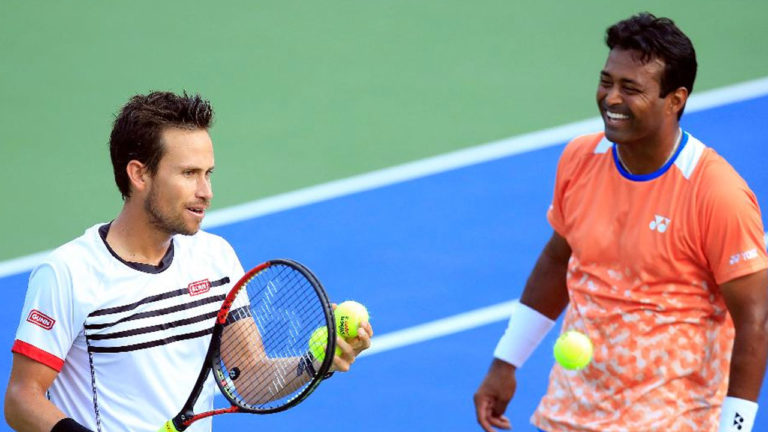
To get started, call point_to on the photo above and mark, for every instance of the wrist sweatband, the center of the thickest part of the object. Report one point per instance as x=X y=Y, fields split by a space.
x=737 y=415
x=525 y=331
x=69 y=425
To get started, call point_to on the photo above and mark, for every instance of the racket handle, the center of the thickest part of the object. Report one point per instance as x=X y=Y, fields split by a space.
x=168 y=427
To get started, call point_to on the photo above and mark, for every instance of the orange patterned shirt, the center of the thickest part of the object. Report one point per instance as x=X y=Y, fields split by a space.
x=649 y=253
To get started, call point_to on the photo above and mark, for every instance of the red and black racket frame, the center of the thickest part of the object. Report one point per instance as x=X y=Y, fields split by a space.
x=212 y=357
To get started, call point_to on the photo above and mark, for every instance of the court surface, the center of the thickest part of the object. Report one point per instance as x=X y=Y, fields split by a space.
x=436 y=258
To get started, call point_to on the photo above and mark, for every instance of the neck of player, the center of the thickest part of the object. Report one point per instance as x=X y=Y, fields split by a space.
x=646 y=157
x=134 y=238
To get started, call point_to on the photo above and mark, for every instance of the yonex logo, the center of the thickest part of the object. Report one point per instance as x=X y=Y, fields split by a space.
x=660 y=223
x=199 y=287
x=746 y=256
x=40 y=319
x=738 y=421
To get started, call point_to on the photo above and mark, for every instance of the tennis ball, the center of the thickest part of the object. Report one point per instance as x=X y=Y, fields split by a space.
x=573 y=350
x=349 y=315
x=168 y=427
x=318 y=341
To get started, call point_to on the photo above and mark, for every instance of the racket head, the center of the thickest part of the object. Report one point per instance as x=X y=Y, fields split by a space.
x=263 y=363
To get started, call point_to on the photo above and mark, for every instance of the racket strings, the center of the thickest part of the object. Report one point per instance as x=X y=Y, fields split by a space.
x=263 y=353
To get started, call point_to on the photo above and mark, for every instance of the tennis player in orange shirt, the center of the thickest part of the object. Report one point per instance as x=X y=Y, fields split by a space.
x=658 y=255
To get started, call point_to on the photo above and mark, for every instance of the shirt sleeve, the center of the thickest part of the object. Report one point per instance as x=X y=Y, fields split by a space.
x=46 y=331
x=237 y=273
x=732 y=228
x=237 y=267
x=556 y=215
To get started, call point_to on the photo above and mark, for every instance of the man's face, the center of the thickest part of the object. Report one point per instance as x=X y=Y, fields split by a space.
x=628 y=97
x=180 y=191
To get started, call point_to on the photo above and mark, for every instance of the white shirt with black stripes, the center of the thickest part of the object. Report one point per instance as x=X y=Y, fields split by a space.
x=127 y=339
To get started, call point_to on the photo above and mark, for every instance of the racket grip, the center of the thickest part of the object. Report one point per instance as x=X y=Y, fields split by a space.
x=168 y=427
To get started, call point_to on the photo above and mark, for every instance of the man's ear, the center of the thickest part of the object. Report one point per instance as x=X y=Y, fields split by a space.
x=676 y=100
x=138 y=175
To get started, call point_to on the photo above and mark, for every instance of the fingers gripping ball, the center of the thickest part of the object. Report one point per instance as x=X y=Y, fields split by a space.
x=317 y=343
x=573 y=350
x=349 y=315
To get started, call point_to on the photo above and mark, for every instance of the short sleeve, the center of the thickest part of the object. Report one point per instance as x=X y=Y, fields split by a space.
x=566 y=167
x=46 y=330
x=237 y=266
x=732 y=229
x=237 y=272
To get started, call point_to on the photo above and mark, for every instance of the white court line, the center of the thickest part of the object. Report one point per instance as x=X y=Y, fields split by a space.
x=441 y=327
x=22 y=264
x=429 y=166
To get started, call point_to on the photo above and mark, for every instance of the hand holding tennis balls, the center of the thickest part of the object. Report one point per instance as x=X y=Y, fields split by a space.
x=348 y=316
x=573 y=350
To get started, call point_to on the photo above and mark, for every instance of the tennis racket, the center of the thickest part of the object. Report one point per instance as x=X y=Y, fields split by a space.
x=260 y=352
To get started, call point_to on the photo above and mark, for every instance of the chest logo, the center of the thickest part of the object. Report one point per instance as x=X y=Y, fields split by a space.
x=659 y=223
x=40 y=319
x=199 y=287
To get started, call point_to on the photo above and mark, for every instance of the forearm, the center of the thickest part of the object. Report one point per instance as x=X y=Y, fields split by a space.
x=543 y=300
x=262 y=379
x=747 y=301
x=748 y=360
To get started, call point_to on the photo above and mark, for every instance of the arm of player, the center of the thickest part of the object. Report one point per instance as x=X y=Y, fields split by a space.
x=546 y=292
x=242 y=350
x=26 y=407
x=243 y=346
x=747 y=301
x=546 y=289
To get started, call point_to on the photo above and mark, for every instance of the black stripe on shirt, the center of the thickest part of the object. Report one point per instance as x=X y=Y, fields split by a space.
x=154 y=328
x=150 y=344
x=159 y=312
x=150 y=299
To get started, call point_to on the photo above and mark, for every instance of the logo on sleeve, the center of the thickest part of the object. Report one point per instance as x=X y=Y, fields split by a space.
x=743 y=256
x=40 y=319
x=199 y=287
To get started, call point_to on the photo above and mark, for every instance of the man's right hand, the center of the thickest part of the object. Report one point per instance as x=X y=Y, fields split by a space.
x=494 y=394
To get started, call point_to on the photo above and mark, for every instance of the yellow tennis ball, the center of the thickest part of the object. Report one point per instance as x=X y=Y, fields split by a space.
x=573 y=350
x=168 y=427
x=349 y=315
x=318 y=341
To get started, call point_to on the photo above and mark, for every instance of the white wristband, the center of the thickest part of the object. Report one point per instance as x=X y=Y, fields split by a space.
x=738 y=415
x=527 y=328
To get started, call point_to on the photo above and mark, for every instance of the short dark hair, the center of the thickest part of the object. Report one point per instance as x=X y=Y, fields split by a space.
x=658 y=38
x=137 y=128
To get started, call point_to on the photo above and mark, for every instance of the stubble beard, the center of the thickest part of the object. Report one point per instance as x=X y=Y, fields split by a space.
x=170 y=224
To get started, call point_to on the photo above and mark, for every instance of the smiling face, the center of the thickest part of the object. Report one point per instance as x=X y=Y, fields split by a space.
x=180 y=191
x=628 y=98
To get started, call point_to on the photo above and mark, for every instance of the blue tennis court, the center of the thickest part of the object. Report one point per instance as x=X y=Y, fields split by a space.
x=427 y=249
